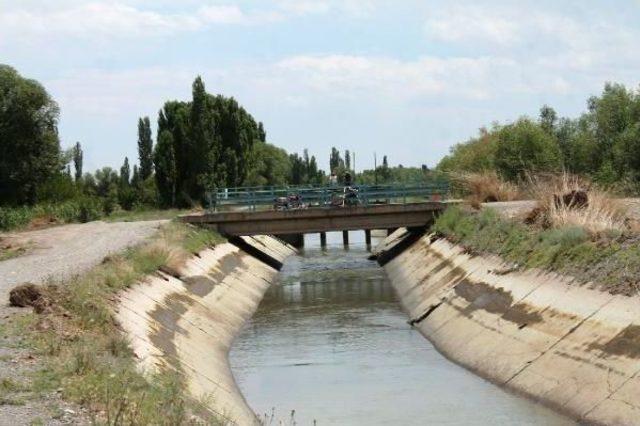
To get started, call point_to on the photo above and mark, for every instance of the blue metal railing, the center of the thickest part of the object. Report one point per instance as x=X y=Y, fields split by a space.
x=320 y=196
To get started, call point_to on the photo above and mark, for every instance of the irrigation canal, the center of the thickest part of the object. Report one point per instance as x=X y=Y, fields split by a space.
x=331 y=343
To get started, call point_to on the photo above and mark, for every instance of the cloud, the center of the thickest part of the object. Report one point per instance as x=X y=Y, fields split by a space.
x=472 y=23
x=124 y=19
x=130 y=18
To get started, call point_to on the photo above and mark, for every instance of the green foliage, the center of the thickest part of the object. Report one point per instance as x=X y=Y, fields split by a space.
x=525 y=147
x=398 y=174
x=88 y=210
x=304 y=170
x=335 y=161
x=13 y=218
x=475 y=156
x=165 y=164
x=145 y=148
x=270 y=165
x=77 y=161
x=603 y=143
x=213 y=139
x=29 y=145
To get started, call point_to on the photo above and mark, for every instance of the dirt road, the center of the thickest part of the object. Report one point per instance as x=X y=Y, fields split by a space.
x=63 y=251
x=57 y=252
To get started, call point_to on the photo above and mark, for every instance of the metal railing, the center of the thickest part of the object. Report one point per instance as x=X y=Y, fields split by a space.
x=322 y=196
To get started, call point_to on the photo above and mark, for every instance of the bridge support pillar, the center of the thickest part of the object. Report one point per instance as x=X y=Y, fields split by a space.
x=323 y=239
x=296 y=240
x=345 y=238
x=367 y=237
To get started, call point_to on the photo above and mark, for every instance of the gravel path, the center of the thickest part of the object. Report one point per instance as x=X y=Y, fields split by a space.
x=59 y=253
x=67 y=250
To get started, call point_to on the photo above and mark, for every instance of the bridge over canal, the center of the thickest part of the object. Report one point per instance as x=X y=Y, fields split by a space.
x=250 y=211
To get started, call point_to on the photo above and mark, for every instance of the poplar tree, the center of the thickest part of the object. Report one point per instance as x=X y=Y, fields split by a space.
x=165 y=166
x=77 y=161
x=125 y=173
x=145 y=148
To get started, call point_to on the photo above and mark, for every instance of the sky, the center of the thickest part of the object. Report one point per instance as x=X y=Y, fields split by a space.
x=404 y=78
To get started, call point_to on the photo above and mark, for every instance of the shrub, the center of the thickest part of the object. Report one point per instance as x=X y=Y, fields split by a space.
x=600 y=214
x=12 y=218
x=485 y=187
x=89 y=210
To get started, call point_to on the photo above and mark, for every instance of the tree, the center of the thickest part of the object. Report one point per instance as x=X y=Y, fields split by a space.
x=271 y=166
x=475 y=155
x=165 y=166
x=125 y=173
x=29 y=144
x=77 y=161
x=524 y=147
x=145 y=147
x=262 y=135
x=347 y=159
x=106 y=181
x=335 y=161
x=385 y=173
x=135 y=177
x=548 y=119
x=213 y=139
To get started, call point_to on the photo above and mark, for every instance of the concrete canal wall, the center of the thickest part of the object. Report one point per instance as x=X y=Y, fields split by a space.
x=188 y=320
x=574 y=349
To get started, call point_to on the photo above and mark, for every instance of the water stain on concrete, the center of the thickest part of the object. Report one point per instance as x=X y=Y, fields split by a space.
x=625 y=343
x=226 y=264
x=167 y=317
x=200 y=285
x=496 y=301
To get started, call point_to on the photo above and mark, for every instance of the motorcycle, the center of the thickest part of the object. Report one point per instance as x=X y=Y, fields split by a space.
x=290 y=202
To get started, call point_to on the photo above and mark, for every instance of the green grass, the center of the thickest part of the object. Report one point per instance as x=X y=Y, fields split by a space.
x=81 y=210
x=610 y=261
x=84 y=354
x=140 y=215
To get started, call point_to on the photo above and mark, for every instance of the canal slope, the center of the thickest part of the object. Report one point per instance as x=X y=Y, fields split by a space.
x=186 y=320
x=574 y=349
x=329 y=342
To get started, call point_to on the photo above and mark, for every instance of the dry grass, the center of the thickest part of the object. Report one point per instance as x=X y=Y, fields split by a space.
x=486 y=187
x=601 y=214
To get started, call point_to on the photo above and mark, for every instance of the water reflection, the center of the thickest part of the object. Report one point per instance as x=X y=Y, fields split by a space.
x=331 y=343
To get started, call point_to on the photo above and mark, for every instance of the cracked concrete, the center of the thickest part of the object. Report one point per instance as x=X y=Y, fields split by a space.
x=579 y=356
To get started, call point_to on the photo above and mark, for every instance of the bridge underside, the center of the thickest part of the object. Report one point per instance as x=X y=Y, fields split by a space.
x=312 y=220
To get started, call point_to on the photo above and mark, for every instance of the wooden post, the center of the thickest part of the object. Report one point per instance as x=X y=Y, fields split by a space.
x=345 y=238
x=367 y=237
x=323 y=239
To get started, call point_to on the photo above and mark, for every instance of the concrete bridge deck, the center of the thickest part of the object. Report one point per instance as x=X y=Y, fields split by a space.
x=319 y=219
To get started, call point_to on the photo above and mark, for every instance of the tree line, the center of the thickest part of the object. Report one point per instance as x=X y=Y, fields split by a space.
x=603 y=143
x=208 y=142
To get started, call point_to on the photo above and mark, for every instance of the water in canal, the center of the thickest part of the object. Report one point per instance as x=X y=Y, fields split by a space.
x=330 y=341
